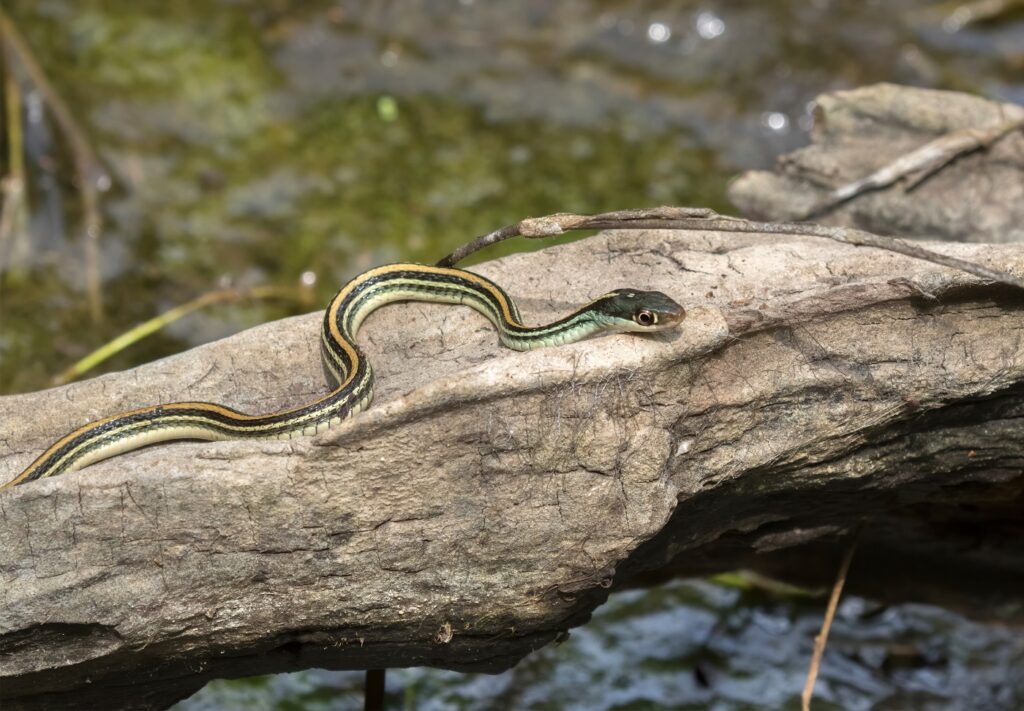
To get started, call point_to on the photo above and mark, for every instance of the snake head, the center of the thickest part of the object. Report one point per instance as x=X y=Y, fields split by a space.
x=640 y=311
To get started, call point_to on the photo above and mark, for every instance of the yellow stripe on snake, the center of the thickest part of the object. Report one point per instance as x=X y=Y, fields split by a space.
x=619 y=310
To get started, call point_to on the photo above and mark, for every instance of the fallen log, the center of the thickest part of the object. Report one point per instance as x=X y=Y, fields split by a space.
x=488 y=500
x=898 y=160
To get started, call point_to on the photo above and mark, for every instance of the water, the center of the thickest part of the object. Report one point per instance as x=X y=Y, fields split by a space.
x=256 y=142
x=252 y=142
x=698 y=645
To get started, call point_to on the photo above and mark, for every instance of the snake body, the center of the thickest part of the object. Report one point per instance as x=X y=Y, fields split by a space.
x=346 y=366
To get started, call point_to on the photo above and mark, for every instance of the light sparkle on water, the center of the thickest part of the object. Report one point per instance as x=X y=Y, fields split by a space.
x=775 y=120
x=658 y=32
x=709 y=25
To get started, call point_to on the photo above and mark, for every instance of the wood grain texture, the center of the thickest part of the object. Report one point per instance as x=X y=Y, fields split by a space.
x=489 y=500
x=979 y=197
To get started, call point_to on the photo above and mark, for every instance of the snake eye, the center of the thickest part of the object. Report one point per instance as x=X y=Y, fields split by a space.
x=645 y=317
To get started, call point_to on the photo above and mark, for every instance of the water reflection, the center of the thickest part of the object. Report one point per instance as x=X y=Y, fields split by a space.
x=709 y=25
x=658 y=32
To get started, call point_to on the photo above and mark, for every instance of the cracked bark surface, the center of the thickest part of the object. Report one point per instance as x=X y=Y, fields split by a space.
x=979 y=197
x=489 y=500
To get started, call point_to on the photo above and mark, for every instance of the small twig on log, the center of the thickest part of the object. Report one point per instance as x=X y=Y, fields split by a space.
x=92 y=176
x=687 y=218
x=917 y=165
x=826 y=624
x=561 y=222
x=302 y=294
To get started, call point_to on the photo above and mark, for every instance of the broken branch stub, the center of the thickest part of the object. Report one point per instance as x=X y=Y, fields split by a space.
x=488 y=499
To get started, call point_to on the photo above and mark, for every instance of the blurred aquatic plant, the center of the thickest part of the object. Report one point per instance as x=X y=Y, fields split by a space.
x=91 y=177
x=301 y=294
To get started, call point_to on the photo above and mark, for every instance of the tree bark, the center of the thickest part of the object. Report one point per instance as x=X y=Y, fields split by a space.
x=488 y=499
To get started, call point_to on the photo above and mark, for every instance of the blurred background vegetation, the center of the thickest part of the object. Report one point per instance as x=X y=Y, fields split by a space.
x=265 y=143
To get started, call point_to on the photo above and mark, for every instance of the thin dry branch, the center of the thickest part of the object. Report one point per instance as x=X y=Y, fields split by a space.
x=12 y=212
x=826 y=623
x=92 y=177
x=562 y=222
x=689 y=218
x=917 y=165
x=12 y=191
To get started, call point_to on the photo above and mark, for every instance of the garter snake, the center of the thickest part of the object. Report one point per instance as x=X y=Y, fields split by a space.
x=346 y=366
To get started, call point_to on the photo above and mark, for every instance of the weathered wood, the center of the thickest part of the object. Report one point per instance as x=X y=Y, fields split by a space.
x=488 y=499
x=979 y=197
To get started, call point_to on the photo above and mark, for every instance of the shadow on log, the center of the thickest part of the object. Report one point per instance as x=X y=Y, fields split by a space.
x=489 y=500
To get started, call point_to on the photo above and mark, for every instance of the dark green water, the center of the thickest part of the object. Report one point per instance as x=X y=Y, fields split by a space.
x=262 y=142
